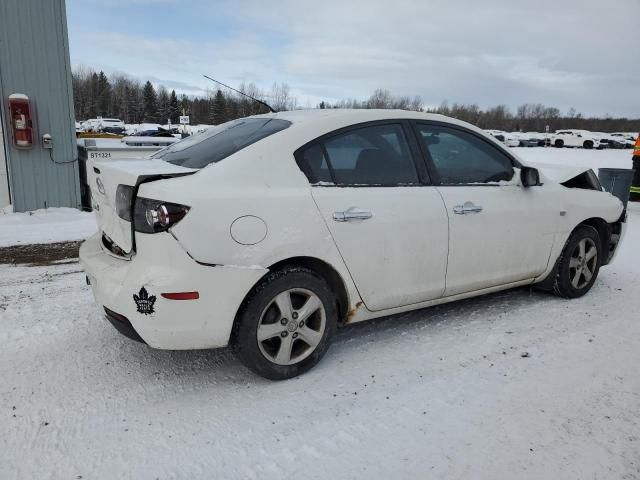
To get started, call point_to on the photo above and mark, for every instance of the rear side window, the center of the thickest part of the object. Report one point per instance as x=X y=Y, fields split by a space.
x=376 y=155
x=314 y=164
x=218 y=143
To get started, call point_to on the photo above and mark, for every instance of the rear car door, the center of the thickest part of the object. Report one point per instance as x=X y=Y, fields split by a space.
x=388 y=223
x=499 y=231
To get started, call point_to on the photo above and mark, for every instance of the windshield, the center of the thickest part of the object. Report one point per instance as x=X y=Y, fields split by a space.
x=218 y=143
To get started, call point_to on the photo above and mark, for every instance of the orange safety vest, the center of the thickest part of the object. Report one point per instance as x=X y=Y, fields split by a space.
x=635 y=186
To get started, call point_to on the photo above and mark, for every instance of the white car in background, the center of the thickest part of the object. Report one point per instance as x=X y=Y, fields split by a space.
x=268 y=232
x=574 y=138
x=111 y=125
x=509 y=139
x=626 y=139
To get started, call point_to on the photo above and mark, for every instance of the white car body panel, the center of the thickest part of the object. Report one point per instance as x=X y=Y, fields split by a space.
x=485 y=248
x=256 y=208
x=404 y=219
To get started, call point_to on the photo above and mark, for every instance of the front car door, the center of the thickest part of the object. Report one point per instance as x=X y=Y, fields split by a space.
x=499 y=231
x=389 y=225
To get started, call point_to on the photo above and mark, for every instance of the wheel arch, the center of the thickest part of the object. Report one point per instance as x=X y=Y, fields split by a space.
x=321 y=268
x=327 y=272
x=604 y=231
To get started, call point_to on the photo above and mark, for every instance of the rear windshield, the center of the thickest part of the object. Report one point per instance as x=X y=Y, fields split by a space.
x=219 y=142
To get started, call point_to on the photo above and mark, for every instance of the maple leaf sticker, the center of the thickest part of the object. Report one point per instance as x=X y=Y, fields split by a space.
x=144 y=302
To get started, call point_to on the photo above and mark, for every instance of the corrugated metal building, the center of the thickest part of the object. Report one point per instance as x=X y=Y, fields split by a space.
x=34 y=61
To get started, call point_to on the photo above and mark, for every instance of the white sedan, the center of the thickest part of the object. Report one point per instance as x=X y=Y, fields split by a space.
x=268 y=232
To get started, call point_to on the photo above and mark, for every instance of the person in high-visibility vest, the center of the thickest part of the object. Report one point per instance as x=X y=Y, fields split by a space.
x=634 y=191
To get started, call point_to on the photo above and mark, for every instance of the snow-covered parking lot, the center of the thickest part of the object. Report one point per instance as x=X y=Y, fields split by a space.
x=513 y=385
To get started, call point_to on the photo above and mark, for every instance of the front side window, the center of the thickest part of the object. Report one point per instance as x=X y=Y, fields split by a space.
x=375 y=155
x=218 y=143
x=462 y=158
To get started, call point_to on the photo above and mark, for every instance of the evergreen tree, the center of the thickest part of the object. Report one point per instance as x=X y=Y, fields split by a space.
x=150 y=103
x=133 y=104
x=218 y=112
x=185 y=105
x=163 y=105
x=174 y=109
x=103 y=95
x=92 y=110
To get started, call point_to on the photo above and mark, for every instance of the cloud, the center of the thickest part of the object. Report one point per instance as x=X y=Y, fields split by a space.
x=572 y=53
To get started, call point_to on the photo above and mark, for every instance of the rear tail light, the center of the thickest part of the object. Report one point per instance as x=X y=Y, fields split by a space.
x=124 y=197
x=153 y=216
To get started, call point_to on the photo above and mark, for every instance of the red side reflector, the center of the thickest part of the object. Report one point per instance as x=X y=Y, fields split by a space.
x=181 y=296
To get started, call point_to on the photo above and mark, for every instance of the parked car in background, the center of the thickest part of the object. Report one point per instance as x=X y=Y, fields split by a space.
x=111 y=125
x=626 y=139
x=609 y=140
x=525 y=140
x=91 y=125
x=574 y=138
x=542 y=138
x=268 y=232
x=507 y=138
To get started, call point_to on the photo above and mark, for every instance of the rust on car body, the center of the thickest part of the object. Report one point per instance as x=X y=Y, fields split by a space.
x=351 y=313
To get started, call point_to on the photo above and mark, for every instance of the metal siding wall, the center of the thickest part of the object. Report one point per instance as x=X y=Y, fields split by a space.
x=34 y=60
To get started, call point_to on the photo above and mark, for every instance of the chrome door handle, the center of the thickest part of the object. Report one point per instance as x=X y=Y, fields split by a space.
x=351 y=214
x=468 y=207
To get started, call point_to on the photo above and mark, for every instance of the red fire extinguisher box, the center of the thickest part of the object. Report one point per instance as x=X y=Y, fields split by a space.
x=21 y=119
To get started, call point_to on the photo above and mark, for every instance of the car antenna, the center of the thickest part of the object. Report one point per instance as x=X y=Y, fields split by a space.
x=242 y=93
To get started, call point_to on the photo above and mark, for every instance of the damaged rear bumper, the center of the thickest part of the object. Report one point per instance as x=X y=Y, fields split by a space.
x=133 y=289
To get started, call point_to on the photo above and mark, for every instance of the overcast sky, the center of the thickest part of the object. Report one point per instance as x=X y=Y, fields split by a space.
x=583 y=54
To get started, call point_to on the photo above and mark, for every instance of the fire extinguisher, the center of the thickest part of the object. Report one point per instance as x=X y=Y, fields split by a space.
x=21 y=120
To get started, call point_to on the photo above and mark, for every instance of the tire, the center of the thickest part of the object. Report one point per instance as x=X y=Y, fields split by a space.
x=572 y=278
x=284 y=324
x=588 y=145
x=558 y=143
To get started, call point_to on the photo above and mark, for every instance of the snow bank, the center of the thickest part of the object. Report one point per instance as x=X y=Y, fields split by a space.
x=46 y=226
x=578 y=157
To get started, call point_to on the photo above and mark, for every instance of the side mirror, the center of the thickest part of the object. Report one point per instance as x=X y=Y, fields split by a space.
x=530 y=177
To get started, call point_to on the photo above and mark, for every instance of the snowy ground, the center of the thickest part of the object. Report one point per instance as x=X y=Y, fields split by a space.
x=46 y=226
x=439 y=393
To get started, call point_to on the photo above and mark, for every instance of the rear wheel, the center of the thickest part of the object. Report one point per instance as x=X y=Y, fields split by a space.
x=286 y=324
x=559 y=143
x=579 y=264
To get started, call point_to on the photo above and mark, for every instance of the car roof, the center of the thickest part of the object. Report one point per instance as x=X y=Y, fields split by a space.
x=313 y=123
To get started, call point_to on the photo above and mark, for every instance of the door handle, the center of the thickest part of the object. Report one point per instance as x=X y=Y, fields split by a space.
x=468 y=207
x=351 y=214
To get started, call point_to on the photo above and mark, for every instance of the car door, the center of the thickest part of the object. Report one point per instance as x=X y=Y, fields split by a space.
x=499 y=231
x=389 y=225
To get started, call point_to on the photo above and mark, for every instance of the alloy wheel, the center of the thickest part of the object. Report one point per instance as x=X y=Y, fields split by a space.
x=583 y=263
x=291 y=326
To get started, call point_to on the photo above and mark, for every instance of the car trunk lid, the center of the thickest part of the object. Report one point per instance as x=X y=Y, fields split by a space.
x=104 y=178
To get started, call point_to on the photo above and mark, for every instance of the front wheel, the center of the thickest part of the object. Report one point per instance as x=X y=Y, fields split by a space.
x=588 y=144
x=579 y=263
x=286 y=324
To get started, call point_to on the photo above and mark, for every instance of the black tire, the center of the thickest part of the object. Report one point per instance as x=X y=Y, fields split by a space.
x=563 y=285
x=558 y=143
x=260 y=303
x=588 y=144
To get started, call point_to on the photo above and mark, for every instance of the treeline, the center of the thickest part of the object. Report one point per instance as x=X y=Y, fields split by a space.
x=530 y=117
x=119 y=96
